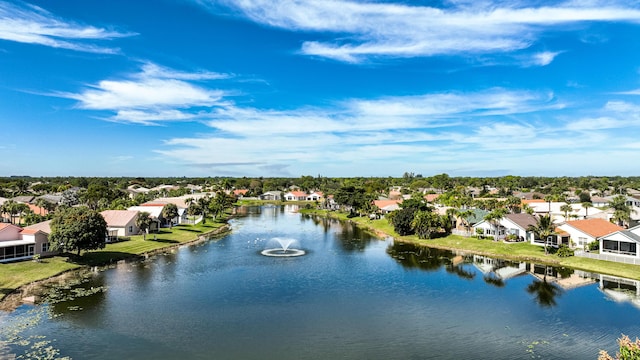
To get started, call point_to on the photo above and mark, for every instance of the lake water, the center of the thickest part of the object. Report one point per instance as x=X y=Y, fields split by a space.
x=351 y=296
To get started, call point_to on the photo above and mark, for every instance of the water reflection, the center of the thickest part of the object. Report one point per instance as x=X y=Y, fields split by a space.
x=548 y=283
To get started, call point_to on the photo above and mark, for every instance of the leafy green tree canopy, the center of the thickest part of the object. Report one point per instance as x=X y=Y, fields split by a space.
x=77 y=228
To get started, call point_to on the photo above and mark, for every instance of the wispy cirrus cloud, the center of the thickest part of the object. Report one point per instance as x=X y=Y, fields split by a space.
x=30 y=24
x=429 y=126
x=153 y=95
x=396 y=29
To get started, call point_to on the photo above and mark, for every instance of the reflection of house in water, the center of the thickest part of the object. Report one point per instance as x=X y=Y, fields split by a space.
x=499 y=268
x=619 y=289
x=563 y=277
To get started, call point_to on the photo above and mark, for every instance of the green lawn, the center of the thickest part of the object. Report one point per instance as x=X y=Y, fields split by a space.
x=14 y=275
x=487 y=247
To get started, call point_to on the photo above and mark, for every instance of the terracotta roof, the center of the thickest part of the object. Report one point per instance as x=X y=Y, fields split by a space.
x=299 y=193
x=37 y=209
x=595 y=227
x=118 y=218
x=240 y=191
x=44 y=226
x=525 y=201
x=6 y=225
x=383 y=203
x=431 y=197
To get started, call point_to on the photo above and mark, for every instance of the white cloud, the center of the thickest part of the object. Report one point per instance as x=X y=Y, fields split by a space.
x=33 y=25
x=544 y=58
x=369 y=29
x=151 y=96
x=430 y=126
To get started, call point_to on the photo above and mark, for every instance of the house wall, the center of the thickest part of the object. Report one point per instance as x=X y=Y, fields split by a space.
x=10 y=233
x=40 y=239
x=577 y=238
x=622 y=239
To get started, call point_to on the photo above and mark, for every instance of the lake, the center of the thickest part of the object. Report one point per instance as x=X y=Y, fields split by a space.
x=351 y=296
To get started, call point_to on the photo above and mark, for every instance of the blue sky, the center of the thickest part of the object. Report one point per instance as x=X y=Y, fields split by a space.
x=331 y=87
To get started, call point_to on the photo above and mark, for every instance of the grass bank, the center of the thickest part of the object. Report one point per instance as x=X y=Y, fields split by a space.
x=17 y=274
x=511 y=251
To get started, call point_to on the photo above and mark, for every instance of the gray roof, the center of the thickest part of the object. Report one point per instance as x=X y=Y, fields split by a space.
x=24 y=199
x=523 y=220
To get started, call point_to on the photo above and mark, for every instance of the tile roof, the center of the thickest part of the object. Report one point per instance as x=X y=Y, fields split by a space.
x=594 y=227
x=384 y=203
x=44 y=226
x=118 y=218
x=523 y=219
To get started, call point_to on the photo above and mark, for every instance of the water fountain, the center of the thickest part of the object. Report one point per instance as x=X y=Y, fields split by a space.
x=284 y=250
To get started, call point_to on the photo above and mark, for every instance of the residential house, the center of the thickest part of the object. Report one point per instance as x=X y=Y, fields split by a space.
x=464 y=224
x=315 y=196
x=430 y=198
x=553 y=208
x=583 y=232
x=511 y=224
x=155 y=213
x=622 y=242
x=17 y=243
x=39 y=234
x=295 y=196
x=272 y=196
x=598 y=201
x=387 y=206
x=120 y=223
x=240 y=193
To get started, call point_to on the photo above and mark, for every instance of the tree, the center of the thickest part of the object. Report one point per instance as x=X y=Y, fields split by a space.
x=586 y=205
x=494 y=218
x=203 y=205
x=621 y=211
x=401 y=221
x=427 y=223
x=10 y=207
x=170 y=212
x=77 y=228
x=543 y=229
x=567 y=209
x=143 y=222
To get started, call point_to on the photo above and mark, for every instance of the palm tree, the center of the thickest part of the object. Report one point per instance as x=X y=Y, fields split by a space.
x=170 y=212
x=494 y=218
x=586 y=205
x=543 y=229
x=143 y=222
x=203 y=204
x=464 y=216
x=621 y=211
x=566 y=208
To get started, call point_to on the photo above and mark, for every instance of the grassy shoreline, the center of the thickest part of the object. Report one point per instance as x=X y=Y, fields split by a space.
x=509 y=251
x=16 y=275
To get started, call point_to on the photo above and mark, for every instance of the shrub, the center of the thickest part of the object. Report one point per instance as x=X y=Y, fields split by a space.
x=594 y=245
x=628 y=350
x=564 y=251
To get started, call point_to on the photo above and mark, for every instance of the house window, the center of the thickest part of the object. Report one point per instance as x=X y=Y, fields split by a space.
x=45 y=247
x=130 y=229
x=582 y=241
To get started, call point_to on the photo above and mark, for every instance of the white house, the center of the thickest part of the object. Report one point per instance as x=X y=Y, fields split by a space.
x=622 y=242
x=583 y=232
x=295 y=196
x=514 y=224
x=272 y=195
x=315 y=196
x=120 y=223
